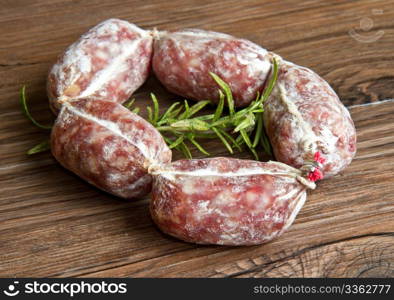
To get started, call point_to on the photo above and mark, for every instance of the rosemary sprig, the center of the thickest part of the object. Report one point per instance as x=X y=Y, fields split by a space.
x=227 y=90
x=25 y=110
x=180 y=126
x=128 y=104
x=43 y=146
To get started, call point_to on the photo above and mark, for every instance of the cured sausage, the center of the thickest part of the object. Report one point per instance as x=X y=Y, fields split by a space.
x=183 y=59
x=108 y=62
x=306 y=122
x=226 y=201
x=108 y=146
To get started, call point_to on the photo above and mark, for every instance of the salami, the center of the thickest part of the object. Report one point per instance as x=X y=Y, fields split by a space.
x=307 y=124
x=108 y=146
x=183 y=59
x=226 y=201
x=109 y=62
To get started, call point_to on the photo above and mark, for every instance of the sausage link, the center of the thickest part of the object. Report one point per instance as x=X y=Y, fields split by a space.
x=304 y=117
x=226 y=201
x=109 y=62
x=108 y=146
x=183 y=59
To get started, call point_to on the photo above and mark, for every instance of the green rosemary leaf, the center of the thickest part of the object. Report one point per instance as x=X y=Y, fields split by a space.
x=224 y=121
x=219 y=109
x=240 y=140
x=247 y=141
x=191 y=125
x=136 y=110
x=242 y=125
x=246 y=138
x=257 y=110
x=197 y=107
x=227 y=91
x=167 y=140
x=224 y=141
x=185 y=114
x=233 y=141
x=266 y=144
x=150 y=114
x=41 y=147
x=174 y=114
x=177 y=142
x=243 y=114
x=256 y=156
x=23 y=102
x=205 y=117
x=271 y=84
x=196 y=144
x=246 y=123
x=257 y=96
x=129 y=103
x=259 y=131
x=155 y=109
x=164 y=117
x=185 y=150
x=165 y=128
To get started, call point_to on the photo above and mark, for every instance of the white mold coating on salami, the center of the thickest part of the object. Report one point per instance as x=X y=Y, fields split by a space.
x=303 y=116
x=109 y=62
x=183 y=59
x=108 y=146
x=226 y=201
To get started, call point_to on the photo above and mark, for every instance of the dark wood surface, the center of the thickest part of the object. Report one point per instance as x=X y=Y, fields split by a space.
x=54 y=224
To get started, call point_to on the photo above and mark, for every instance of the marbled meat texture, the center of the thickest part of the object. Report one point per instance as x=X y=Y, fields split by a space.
x=109 y=62
x=226 y=201
x=108 y=146
x=183 y=59
x=304 y=115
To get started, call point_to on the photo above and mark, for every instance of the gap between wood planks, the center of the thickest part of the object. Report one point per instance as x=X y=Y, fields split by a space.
x=371 y=103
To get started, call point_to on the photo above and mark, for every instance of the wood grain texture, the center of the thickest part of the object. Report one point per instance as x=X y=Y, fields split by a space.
x=54 y=224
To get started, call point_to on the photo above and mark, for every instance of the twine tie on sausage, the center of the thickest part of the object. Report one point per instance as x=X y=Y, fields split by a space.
x=62 y=99
x=313 y=169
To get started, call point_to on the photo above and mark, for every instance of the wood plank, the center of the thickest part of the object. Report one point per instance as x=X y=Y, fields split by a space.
x=54 y=224
x=366 y=256
x=360 y=256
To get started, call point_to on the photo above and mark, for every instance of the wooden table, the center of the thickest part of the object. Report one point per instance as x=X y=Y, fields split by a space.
x=54 y=224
